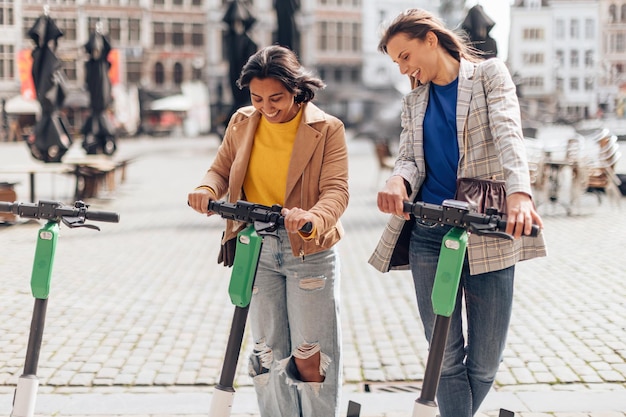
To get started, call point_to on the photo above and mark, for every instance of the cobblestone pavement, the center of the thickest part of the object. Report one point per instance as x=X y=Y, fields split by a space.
x=138 y=314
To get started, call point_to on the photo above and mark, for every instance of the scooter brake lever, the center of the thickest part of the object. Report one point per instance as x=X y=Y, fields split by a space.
x=489 y=230
x=73 y=222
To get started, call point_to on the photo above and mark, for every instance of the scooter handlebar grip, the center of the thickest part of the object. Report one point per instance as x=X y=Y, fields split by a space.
x=307 y=228
x=6 y=207
x=102 y=216
x=534 y=232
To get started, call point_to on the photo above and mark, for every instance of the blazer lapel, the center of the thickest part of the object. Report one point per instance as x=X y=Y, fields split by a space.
x=306 y=141
x=245 y=131
x=466 y=81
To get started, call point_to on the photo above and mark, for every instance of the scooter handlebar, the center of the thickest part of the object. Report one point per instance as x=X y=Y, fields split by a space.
x=460 y=214
x=54 y=210
x=247 y=212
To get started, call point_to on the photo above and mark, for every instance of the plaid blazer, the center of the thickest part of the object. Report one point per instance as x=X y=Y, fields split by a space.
x=487 y=107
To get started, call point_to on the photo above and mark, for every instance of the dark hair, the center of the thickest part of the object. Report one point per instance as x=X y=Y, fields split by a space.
x=281 y=64
x=416 y=23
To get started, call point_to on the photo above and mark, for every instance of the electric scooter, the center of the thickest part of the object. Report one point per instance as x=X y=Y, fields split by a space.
x=263 y=221
x=55 y=213
x=447 y=277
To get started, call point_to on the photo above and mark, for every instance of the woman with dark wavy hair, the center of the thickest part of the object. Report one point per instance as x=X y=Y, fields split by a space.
x=462 y=119
x=285 y=150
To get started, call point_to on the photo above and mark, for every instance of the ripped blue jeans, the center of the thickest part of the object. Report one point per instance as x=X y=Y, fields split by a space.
x=294 y=313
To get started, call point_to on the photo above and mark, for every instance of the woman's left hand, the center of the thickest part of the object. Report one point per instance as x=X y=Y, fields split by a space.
x=521 y=215
x=296 y=218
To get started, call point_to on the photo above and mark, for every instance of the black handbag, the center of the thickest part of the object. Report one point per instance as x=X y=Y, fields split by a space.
x=227 y=252
x=481 y=194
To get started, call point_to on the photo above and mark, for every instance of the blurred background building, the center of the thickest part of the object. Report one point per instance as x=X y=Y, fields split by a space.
x=568 y=57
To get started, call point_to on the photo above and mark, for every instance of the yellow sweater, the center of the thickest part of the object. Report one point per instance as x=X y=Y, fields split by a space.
x=266 y=178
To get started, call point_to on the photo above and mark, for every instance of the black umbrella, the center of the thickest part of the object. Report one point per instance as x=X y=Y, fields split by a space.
x=287 y=34
x=51 y=139
x=240 y=48
x=478 y=25
x=98 y=131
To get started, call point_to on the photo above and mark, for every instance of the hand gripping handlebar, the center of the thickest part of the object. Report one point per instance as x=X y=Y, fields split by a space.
x=244 y=211
x=72 y=216
x=459 y=214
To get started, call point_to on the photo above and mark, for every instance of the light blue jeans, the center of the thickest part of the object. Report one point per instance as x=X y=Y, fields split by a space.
x=469 y=366
x=294 y=312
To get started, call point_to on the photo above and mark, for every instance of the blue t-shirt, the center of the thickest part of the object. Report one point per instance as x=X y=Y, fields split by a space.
x=441 y=149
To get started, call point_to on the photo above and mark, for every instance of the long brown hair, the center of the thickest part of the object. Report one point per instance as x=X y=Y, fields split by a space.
x=416 y=23
x=281 y=64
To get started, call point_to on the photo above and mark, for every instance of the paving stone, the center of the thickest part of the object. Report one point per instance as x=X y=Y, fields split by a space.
x=139 y=304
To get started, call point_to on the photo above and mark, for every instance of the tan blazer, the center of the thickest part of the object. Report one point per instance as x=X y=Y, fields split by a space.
x=317 y=179
x=488 y=103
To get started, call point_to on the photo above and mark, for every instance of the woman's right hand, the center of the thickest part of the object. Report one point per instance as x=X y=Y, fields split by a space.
x=392 y=197
x=199 y=199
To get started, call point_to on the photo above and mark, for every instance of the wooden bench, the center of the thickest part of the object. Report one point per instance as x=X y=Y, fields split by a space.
x=97 y=173
x=33 y=169
x=93 y=173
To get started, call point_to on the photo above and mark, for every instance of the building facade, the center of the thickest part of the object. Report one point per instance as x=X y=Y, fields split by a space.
x=557 y=55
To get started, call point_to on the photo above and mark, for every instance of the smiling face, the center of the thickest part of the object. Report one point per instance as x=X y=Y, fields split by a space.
x=415 y=57
x=273 y=100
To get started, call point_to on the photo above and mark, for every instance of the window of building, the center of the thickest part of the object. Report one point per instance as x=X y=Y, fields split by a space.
x=355 y=75
x=158 y=29
x=533 y=33
x=590 y=29
x=28 y=23
x=159 y=74
x=617 y=41
x=560 y=29
x=197 y=34
x=589 y=83
x=177 y=3
x=115 y=30
x=91 y=24
x=559 y=84
x=178 y=34
x=68 y=27
x=533 y=58
x=533 y=82
x=574 y=29
x=560 y=57
x=7 y=17
x=7 y=62
x=134 y=30
x=133 y=72
x=589 y=59
x=69 y=68
x=323 y=36
x=573 y=58
x=339 y=35
x=178 y=73
x=613 y=13
x=623 y=14
x=158 y=3
x=573 y=84
x=356 y=37
x=338 y=75
x=196 y=2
